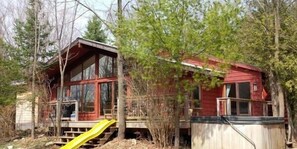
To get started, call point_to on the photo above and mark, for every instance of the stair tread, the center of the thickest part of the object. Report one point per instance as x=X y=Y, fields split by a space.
x=74 y=131
x=103 y=139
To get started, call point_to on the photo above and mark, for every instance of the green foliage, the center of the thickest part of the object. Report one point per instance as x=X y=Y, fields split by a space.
x=162 y=34
x=258 y=46
x=95 y=31
x=177 y=30
x=9 y=72
x=25 y=37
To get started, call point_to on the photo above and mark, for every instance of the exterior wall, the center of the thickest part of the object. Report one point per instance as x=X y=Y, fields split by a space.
x=237 y=74
x=209 y=102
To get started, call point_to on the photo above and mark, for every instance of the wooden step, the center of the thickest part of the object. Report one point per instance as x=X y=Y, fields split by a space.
x=113 y=128
x=103 y=140
x=107 y=134
x=80 y=132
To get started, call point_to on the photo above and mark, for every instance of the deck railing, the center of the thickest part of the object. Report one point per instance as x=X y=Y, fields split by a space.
x=238 y=106
x=137 y=107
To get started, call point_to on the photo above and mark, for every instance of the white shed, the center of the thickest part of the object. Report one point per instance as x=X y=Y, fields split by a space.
x=23 y=111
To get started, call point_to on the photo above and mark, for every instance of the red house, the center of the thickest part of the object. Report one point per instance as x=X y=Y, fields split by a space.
x=91 y=87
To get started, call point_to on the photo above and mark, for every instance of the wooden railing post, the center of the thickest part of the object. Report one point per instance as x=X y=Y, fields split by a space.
x=76 y=110
x=218 y=107
x=228 y=106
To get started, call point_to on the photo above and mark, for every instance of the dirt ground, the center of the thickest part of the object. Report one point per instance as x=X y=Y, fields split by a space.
x=41 y=142
x=45 y=142
x=128 y=144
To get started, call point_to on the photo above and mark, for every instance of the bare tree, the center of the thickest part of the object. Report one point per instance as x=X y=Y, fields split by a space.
x=36 y=48
x=120 y=61
x=63 y=60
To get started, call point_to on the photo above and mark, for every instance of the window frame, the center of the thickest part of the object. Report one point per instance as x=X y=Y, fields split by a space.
x=237 y=92
x=193 y=99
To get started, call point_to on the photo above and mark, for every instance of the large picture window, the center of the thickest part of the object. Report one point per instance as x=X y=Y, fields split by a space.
x=75 y=92
x=107 y=66
x=76 y=74
x=85 y=95
x=89 y=69
x=88 y=98
x=105 y=96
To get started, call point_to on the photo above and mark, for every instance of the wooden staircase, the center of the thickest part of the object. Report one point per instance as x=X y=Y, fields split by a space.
x=73 y=132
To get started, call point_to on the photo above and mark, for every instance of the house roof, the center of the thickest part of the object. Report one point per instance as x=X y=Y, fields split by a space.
x=80 y=47
x=240 y=65
x=91 y=43
x=77 y=49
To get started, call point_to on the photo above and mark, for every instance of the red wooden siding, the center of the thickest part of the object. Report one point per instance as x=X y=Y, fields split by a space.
x=208 y=101
x=237 y=74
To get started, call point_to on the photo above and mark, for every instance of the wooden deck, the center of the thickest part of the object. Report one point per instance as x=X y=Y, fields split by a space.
x=129 y=124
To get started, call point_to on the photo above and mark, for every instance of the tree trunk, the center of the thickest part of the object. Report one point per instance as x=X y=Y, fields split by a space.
x=59 y=106
x=273 y=92
x=277 y=93
x=33 y=116
x=176 y=123
x=290 y=122
x=121 y=98
x=280 y=99
x=36 y=46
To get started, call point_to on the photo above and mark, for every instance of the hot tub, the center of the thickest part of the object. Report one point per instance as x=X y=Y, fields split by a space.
x=237 y=132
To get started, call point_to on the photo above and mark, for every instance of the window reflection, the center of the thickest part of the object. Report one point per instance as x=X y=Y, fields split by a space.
x=89 y=69
x=107 y=66
x=76 y=74
x=105 y=96
x=75 y=92
x=88 y=98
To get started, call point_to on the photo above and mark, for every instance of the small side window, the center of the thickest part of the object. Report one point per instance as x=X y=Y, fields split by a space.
x=196 y=97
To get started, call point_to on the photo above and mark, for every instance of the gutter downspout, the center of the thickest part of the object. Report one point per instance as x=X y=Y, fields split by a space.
x=239 y=132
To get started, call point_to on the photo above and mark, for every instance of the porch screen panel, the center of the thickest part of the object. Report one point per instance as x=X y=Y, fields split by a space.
x=107 y=66
x=88 y=98
x=89 y=69
x=105 y=96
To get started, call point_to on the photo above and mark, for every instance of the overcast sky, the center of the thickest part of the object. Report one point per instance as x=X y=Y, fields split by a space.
x=15 y=9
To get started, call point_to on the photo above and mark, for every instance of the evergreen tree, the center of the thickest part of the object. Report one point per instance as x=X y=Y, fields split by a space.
x=95 y=31
x=25 y=35
x=32 y=40
x=9 y=72
x=268 y=40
